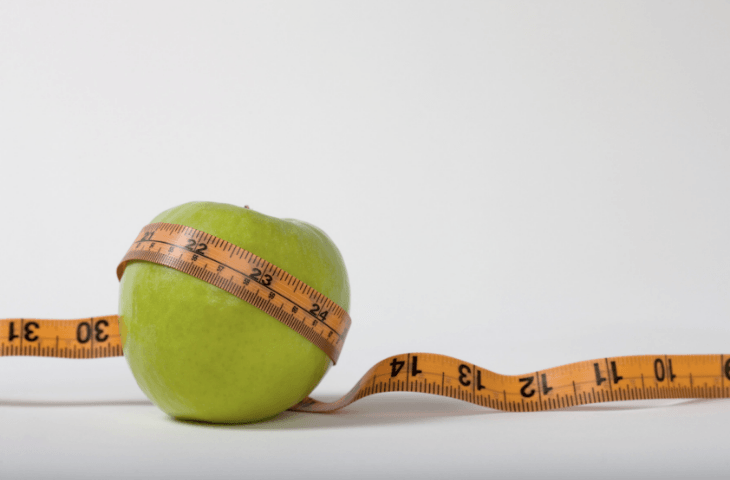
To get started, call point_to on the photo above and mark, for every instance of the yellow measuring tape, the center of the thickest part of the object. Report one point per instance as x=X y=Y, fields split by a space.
x=325 y=324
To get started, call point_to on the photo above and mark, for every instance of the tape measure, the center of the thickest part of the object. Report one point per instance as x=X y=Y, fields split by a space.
x=325 y=324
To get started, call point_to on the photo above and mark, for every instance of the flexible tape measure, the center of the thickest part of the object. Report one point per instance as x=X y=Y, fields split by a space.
x=326 y=324
x=247 y=276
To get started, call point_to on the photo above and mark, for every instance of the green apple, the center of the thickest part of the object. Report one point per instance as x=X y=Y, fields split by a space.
x=200 y=353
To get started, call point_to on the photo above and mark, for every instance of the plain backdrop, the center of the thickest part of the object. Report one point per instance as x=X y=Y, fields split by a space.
x=517 y=184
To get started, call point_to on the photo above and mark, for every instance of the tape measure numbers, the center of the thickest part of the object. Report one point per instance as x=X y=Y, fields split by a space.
x=326 y=324
x=248 y=277
x=96 y=337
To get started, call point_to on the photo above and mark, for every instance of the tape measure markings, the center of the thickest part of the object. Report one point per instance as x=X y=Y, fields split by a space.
x=438 y=374
x=81 y=337
x=541 y=390
x=259 y=282
x=243 y=255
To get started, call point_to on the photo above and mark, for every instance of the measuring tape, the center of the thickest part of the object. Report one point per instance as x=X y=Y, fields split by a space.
x=325 y=324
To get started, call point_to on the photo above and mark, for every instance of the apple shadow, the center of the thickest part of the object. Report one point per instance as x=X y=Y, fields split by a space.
x=384 y=409
x=404 y=408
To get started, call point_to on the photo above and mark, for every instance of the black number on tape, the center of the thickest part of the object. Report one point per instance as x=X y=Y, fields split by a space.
x=100 y=335
x=396 y=365
x=83 y=331
x=464 y=371
x=11 y=332
x=599 y=379
x=316 y=311
x=528 y=381
x=414 y=367
x=29 y=333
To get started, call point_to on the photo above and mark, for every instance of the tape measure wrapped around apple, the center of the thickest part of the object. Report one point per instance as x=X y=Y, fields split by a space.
x=232 y=316
x=200 y=353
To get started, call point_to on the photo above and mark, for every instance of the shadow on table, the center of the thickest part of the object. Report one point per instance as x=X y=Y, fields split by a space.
x=395 y=409
x=385 y=409
x=636 y=405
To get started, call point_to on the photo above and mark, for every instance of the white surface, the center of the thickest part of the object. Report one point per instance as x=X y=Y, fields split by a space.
x=111 y=431
x=571 y=161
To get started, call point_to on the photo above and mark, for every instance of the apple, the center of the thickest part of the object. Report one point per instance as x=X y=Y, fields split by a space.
x=200 y=353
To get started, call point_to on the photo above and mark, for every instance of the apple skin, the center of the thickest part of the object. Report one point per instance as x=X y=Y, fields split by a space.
x=200 y=353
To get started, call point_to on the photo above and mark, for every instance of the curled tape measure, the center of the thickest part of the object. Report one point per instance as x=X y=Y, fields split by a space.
x=325 y=324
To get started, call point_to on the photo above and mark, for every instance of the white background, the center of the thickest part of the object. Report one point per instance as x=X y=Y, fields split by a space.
x=517 y=184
